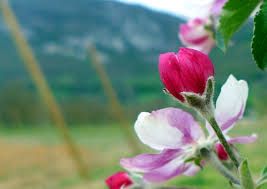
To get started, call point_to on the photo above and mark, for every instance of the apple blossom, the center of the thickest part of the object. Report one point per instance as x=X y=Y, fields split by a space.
x=177 y=136
x=195 y=35
x=199 y=33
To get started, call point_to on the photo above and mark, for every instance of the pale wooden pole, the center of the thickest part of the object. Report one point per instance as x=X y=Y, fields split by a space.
x=112 y=97
x=33 y=68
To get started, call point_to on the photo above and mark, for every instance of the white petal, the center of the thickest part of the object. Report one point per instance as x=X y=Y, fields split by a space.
x=231 y=102
x=195 y=8
x=157 y=133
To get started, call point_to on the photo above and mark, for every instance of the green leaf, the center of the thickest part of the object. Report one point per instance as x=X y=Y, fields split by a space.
x=264 y=174
x=263 y=177
x=234 y=14
x=190 y=160
x=264 y=171
x=262 y=185
x=245 y=176
x=259 y=41
x=196 y=160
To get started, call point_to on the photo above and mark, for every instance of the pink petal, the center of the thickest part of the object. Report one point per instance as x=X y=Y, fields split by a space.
x=147 y=162
x=168 y=128
x=205 y=47
x=183 y=121
x=174 y=168
x=170 y=76
x=244 y=139
x=194 y=35
x=188 y=35
x=199 y=21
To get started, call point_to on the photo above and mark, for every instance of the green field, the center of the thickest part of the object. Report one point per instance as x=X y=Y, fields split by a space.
x=34 y=158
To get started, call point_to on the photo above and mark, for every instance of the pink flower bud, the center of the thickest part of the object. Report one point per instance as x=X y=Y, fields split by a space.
x=222 y=154
x=195 y=36
x=118 y=180
x=187 y=71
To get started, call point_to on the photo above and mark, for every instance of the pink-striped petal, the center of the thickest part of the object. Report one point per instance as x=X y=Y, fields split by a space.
x=231 y=103
x=184 y=122
x=172 y=169
x=193 y=32
x=244 y=139
x=147 y=162
x=168 y=128
x=205 y=47
x=194 y=35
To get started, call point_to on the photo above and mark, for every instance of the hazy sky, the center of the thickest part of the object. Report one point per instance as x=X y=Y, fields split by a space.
x=185 y=8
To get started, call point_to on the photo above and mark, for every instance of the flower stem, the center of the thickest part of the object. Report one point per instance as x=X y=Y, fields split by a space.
x=212 y=158
x=223 y=141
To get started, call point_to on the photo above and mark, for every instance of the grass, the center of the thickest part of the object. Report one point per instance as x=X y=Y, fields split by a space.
x=35 y=158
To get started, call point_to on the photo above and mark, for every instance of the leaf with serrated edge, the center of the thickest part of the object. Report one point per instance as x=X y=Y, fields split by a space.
x=234 y=14
x=259 y=41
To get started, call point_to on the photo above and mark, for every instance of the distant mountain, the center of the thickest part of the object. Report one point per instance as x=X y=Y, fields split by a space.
x=60 y=31
x=129 y=39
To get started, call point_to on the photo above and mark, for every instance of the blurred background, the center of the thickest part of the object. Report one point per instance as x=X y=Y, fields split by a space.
x=129 y=39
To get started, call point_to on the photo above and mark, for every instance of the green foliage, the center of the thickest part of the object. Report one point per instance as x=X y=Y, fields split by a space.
x=245 y=176
x=234 y=14
x=262 y=181
x=264 y=173
x=262 y=185
x=95 y=138
x=20 y=106
x=259 y=41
